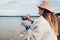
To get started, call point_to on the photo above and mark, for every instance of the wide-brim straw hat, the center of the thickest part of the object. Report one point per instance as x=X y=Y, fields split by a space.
x=45 y=5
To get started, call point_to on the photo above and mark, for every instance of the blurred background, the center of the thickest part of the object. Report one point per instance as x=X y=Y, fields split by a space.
x=11 y=12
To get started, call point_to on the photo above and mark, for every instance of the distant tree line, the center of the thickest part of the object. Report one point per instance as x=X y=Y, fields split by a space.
x=57 y=14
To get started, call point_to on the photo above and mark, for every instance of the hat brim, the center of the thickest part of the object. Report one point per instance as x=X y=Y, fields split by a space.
x=43 y=8
x=39 y=7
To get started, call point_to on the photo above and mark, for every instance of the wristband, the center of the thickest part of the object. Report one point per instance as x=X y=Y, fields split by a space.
x=27 y=27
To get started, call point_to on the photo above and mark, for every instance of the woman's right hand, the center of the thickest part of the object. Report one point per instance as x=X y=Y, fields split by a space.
x=28 y=17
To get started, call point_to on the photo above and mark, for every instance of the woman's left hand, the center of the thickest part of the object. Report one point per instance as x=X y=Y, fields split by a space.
x=25 y=24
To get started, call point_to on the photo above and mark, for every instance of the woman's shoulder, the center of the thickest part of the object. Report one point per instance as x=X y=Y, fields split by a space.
x=40 y=19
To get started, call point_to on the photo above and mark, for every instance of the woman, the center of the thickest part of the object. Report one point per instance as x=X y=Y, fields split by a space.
x=46 y=26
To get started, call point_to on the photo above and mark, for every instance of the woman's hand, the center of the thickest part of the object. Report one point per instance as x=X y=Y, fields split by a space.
x=28 y=17
x=25 y=24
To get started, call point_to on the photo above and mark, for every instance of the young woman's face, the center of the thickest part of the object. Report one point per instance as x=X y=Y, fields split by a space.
x=41 y=11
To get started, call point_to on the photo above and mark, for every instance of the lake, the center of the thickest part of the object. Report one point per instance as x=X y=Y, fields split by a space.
x=10 y=28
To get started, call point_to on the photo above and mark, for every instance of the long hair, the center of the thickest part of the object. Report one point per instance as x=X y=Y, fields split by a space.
x=52 y=19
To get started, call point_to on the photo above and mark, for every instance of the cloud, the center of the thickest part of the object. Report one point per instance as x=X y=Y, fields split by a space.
x=10 y=12
x=21 y=7
x=56 y=9
x=18 y=7
x=3 y=2
x=58 y=0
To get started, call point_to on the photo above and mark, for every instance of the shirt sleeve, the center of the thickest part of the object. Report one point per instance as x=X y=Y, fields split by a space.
x=39 y=30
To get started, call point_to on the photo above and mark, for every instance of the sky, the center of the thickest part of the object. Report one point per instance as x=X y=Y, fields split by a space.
x=23 y=7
